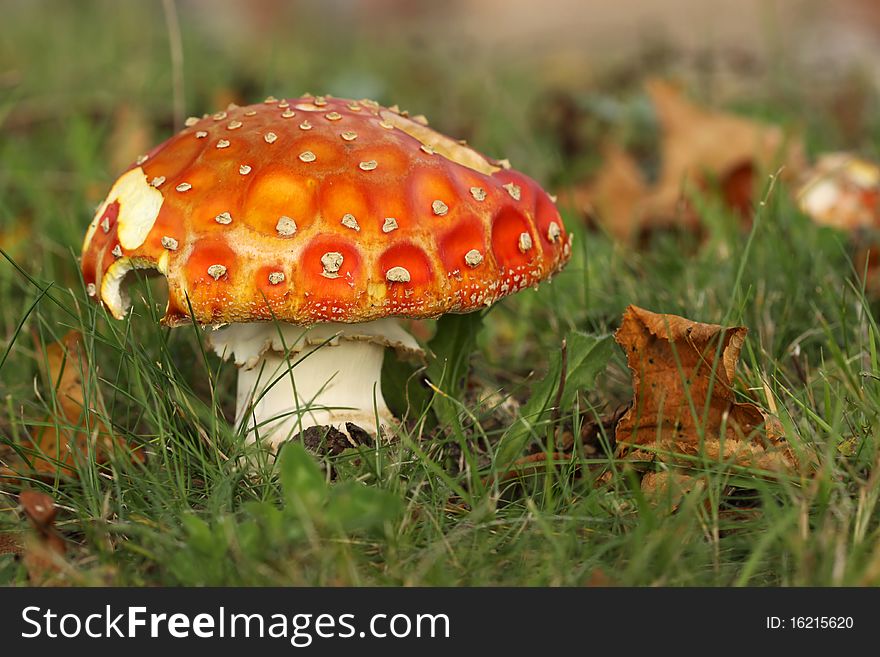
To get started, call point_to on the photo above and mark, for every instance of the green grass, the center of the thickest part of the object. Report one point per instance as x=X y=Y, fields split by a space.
x=430 y=508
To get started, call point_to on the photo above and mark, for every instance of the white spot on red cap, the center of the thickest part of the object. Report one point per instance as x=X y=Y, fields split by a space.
x=473 y=258
x=350 y=221
x=285 y=226
x=216 y=271
x=397 y=275
x=331 y=261
x=478 y=193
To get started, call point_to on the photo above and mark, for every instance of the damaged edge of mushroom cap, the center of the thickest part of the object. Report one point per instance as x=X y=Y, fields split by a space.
x=113 y=291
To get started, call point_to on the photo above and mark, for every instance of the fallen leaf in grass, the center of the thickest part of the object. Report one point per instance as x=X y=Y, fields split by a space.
x=615 y=195
x=684 y=403
x=43 y=551
x=74 y=429
x=670 y=487
x=700 y=149
x=702 y=145
x=599 y=578
x=10 y=543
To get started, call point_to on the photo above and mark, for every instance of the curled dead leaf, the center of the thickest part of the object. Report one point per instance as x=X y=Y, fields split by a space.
x=11 y=543
x=699 y=149
x=684 y=404
x=44 y=549
x=77 y=428
x=615 y=196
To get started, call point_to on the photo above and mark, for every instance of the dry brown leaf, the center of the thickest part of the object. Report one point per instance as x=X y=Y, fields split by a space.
x=684 y=403
x=699 y=147
x=670 y=487
x=697 y=142
x=615 y=195
x=43 y=551
x=10 y=543
x=74 y=429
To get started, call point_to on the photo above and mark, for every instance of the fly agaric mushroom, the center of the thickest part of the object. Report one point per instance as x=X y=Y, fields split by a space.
x=301 y=227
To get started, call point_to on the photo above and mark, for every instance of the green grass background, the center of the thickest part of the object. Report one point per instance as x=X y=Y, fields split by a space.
x=417 y=511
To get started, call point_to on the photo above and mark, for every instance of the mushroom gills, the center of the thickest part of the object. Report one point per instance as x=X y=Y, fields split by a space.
x=291 y=377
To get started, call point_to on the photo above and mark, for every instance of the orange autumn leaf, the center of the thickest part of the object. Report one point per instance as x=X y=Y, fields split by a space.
x=698 y=148
x=684 y=403
x=699 y=143
x=615 y=195
x=10 y=543
x=76 y=428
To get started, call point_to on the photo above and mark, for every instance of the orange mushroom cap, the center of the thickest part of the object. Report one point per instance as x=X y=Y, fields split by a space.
x=320 y=209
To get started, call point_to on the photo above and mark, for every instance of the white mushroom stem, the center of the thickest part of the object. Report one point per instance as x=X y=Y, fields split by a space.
x=291 y=378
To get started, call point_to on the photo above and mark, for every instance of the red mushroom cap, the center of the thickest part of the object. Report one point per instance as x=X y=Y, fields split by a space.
x=321 y=209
